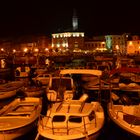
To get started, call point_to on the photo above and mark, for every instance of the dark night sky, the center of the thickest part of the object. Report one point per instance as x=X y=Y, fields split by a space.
x=96 y=17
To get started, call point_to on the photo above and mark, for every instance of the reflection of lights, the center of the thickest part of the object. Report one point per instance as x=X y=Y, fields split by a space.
x=52 y=45
x=36 y=50
x=14 y=50
x=139 y=47
x=25 y=50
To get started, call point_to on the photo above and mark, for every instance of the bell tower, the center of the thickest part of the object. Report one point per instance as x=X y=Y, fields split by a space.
x=74 y=21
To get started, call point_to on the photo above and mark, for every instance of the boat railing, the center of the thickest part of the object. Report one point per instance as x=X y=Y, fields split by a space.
x=132 y=118
x=66 y=129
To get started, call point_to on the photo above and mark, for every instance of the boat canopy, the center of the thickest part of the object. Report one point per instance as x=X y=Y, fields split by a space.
x=81 y=71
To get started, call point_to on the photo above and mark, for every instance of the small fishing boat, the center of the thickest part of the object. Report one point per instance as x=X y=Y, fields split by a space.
x=18 y=117
x=10 y=89
x=71 y=119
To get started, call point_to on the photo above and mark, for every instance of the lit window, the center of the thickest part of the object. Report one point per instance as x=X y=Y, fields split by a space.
x=82 y=35
x=73 y=35
x=117 y=47
x=69 y=35
x=58 y=45
x=77 y=35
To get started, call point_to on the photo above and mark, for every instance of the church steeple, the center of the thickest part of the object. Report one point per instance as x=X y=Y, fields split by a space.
x=74 y=21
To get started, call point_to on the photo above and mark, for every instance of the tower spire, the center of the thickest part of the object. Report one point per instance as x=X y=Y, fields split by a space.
x=74 y=21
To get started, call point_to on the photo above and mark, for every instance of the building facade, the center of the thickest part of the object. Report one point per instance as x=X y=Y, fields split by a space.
x=133 y=45
x=67 y=41
x=116 y=43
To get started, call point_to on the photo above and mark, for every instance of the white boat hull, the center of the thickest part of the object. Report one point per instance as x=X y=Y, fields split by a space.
x=8 y=94
x=15 y=133
x=89 y=137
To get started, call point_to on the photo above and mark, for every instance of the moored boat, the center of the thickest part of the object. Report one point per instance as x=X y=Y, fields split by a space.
x=33 y=91
x=73 y=119
x=10 y=89
x=70 y=120
x=124 y=105
x=19 y=117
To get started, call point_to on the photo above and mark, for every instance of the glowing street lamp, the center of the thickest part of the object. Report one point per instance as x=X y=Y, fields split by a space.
x=130 y=43
x=25 y=50
x=14 y=50
x=36 y=50
x=46 y=49
x=2 y=49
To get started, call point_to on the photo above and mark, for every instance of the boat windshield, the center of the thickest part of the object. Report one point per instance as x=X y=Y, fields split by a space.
x=57 y=82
